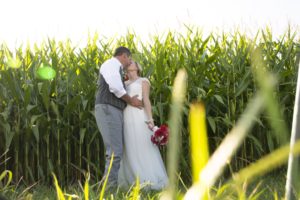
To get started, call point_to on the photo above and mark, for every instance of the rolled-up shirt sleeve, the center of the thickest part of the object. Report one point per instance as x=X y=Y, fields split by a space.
x=110 y=72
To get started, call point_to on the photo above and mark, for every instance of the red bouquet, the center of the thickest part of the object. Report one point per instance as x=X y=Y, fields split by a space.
x=160 y=135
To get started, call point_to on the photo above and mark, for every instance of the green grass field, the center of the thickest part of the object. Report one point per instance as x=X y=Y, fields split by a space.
x=227 y=98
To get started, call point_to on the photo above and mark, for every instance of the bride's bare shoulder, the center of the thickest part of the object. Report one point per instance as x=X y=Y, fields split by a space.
x=146 y=80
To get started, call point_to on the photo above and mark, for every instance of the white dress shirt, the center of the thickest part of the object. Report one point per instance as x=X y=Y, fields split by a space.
x=110 y=71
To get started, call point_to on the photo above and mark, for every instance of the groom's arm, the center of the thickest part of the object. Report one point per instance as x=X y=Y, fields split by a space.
x=111 y=75
x=133 y=101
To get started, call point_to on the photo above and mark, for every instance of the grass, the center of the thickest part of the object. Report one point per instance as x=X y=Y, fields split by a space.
x=266 y=186
x=271 y=183
x=44 y=192
x=243 y=87
x=209 y=175
x=263 y=188
x=48 y=125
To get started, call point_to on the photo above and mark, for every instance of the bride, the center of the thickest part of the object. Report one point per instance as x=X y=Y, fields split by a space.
x=141 y=158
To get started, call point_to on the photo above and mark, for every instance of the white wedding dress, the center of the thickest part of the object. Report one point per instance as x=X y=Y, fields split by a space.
x=141 y=158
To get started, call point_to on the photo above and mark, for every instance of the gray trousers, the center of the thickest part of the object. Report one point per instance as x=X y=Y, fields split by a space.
x=110 y=123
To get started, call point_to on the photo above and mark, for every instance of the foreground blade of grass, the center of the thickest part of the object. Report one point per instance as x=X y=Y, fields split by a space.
x=2 y=176
x=136 y=190
x=272 y=106
x=199 y=143
x=292 y=181
x=225 y=151
x=235 y=137
x=266 y=164
x=86 y=187
x=60 y=194
x=106 y=178
x=178 y=97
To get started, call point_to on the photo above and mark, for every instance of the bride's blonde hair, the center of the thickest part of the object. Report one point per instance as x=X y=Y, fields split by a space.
x=139 y=68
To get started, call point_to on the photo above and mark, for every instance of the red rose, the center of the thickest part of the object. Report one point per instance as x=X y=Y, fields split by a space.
x=160 y=135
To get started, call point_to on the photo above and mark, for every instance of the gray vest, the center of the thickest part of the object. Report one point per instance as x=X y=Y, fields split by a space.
x=104 y=96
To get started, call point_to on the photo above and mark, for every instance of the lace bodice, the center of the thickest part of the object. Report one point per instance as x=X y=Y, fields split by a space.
x=135 y=87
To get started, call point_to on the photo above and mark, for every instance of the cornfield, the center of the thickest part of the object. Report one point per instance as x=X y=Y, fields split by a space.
x=48 y=126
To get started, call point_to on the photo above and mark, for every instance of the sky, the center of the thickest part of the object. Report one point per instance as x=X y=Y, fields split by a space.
x=36 y=20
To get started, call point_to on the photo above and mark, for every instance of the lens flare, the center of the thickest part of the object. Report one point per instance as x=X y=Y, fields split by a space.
x=46 y=72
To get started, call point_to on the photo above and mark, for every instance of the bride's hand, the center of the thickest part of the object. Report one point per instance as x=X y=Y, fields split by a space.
x=150 y=124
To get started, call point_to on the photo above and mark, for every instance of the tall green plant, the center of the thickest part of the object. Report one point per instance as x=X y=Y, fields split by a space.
x=49 y=125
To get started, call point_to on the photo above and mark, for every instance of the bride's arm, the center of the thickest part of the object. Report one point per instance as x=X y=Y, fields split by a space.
x=147 y=103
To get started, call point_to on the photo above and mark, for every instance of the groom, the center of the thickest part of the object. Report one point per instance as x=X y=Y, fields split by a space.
x=111 y=99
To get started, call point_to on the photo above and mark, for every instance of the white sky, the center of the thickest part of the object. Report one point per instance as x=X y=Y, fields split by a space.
x=35 y=20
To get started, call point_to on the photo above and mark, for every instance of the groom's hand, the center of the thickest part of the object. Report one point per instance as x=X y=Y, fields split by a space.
x=136 y=102
x=133 y=101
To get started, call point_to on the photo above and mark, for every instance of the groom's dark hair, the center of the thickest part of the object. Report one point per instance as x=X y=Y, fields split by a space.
x=121 y=50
